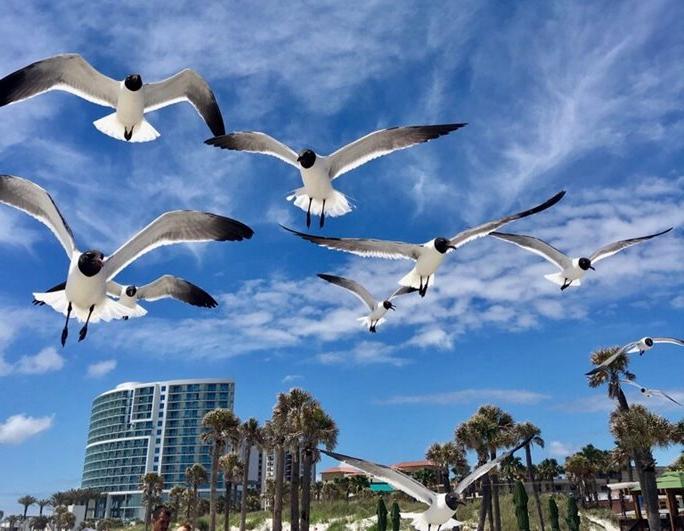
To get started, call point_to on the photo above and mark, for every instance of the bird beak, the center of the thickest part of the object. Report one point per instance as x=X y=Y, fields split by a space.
x=392 y=307
x=299 y=159
x=592 y=268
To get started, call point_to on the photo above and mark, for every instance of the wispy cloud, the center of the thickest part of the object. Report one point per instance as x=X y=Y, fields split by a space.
x=363 y=353
x=101 y=368
x=469 y=396
x=18 y=428
x=561 y=449
x=47 y=360
x=289 y=378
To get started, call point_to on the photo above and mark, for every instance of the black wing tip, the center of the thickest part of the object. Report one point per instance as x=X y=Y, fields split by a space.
x=231 y=229
x=199 y=297
x=546 y=204
x=223 y=141
x=334 y=455
x=660 y=233
x=593 y=371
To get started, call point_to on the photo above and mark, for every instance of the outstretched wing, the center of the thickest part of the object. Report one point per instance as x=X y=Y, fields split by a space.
x=627 y=349
x=351 y=285
x=37 y=203
x=671 y=340
x=616 y=247
x=255 y=142
x=382 y=142
x=482 y=470
x=363 y=247
x=177 y=288
x=402 y=290
x=178 y=226
x=67 y=72
x=395 y=478
x=536 y=246
x=483 y=230
x=186 y=85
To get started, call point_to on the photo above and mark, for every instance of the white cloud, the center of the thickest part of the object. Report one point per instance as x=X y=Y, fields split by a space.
x=101 y=368
x=468 y=396
x=47 y=360
x=17 y=428
x=559 y=449
x=289 y=378
x=363 y=353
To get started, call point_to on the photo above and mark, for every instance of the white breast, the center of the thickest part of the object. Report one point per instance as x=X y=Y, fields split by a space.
x=429 y=260
x=130 y=106
x=316 y=179
x=83 y=291
x=575 y=272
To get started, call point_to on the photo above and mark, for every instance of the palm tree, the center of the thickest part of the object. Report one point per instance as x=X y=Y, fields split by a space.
x=445 y=456
x=468 y=434
x=26 y=501
x=250 y=435
x=296 y=398
x=221 y=425
x=232 y=471
x=176 y=495
x=531 y=433
x=580 y=470
x=277 y=435
x=642 y=455
x=548 y=470
x=151 y=485
x=312 y=426
x=42 y=504
x=678 y=464
x=39 y=522
x=195 y=475
x=512 y=470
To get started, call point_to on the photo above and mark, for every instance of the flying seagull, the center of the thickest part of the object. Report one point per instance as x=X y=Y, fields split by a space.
x=130 y=97
x=378 y=309
x=572 y=269
x=317 y=196
x=640 y=346
x=84 y=295
x=649 y=393
x=441 y=507
x=429 y=255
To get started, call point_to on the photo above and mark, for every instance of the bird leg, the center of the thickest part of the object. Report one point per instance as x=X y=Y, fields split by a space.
x=65 y=330
x=308 y=214
x=84 y=330
x=372 y=327
x=322 y=222
x=566 y=284
x=423 y=289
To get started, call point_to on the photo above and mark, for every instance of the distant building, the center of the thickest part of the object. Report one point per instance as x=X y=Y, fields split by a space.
x=342 y=471
x=137 y=428
x=411 y=467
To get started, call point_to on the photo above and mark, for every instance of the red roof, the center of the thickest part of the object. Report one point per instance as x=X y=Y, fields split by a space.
x=415 y=464
x=341 y=469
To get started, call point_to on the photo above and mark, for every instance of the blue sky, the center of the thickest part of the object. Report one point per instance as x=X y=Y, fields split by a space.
x=586 y=97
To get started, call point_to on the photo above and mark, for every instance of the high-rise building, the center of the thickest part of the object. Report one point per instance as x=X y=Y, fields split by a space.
x=137 y=428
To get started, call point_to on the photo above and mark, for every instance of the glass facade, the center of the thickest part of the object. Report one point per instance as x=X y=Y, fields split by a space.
x=151 y=427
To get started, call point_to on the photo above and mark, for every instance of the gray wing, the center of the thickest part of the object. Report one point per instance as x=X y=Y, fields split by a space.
x=382 y=142
x=186 y=85
x=178 y=226
x=397 y=479
x=353 y=286
x=536 y=246
x=647 y=390
x=483 y=230
x=672 y=340
x=177 y=288
x=616 y=247
x=402 y=290
x=362 y=247
x=37 y=203
x=627 y=349
x=114 y=288
x=255 y=142
x=482 y=470
x=68 y=72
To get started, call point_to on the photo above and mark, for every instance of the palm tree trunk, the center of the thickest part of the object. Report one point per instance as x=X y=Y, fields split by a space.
x=212 y=486
x=148 y=511
x=535 y=487
x=306 y=489
x=294 y=490
x=445 y=479
x=484 y=505
x=278 y=497
x=495 y=494
x=245 y=480
x=490 y=512
x=195 y=505
x=226 y=510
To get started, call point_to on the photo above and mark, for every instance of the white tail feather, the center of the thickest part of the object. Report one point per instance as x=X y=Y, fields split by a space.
x=107 y=310
x=412 y=280
x=111 y=125
x=337 y=205
x=366 y=322
x=559 y=279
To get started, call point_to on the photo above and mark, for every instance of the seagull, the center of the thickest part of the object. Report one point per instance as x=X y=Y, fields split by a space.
x=317 y=196
x=429 y=255
x=441 y=507
x=166 y=286
x=572 y=269
x=130 y=97
x=84 y=294
x=640 y=346
x=649 y=393
x=378 y=309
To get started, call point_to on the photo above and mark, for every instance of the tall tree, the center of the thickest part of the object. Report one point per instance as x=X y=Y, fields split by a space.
x=445 y=456
x=176 y=497
x=232 y=472
x=642 y=455
x=250 y=435
x=313 y=427
x=26 y=501
x=548 y=470
x=296 y=399
x=221 y=426
x=195 y=475
x=278 y=436
x=579 y=471
x=42 y=504
x=151 y=485
x=528 y=431
x=469 y=435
